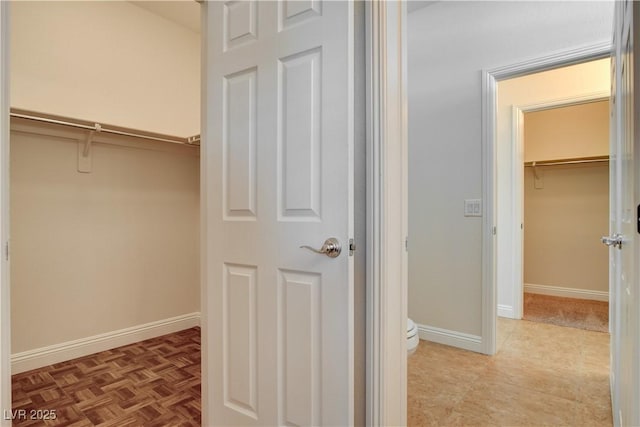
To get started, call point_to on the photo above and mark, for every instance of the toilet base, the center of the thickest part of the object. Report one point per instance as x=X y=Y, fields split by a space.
x=412 y=344
x=412 y=337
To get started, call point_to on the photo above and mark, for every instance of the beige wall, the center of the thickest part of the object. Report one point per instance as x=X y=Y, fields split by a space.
x=118 y=247
x=97 y=252
x=565 y=219
x=561 y=133
x=563 y=225
x=106 y=61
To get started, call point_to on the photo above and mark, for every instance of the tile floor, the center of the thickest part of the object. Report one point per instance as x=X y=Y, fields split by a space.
x=542 y=375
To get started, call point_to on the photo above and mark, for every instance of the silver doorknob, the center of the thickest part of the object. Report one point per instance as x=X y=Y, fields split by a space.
x=330 y=248
x=615 y=240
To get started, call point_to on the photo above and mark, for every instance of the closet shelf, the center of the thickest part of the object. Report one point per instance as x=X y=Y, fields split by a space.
x=193 y=141
x=571 y=161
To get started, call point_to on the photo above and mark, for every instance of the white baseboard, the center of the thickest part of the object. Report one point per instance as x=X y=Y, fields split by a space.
x=44 y=356
x=505 y=311
x=558 y=291
x=452 y=338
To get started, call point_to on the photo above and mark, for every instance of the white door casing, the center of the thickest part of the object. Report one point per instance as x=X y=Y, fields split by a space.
x=277 y=173
x=492 y=224
x=5 y=305
x=625 y=188
x=387 y=220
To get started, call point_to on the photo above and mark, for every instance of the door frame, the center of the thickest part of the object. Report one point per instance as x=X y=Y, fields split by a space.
x=490 y=79
x=5 y=285
x=517 y=177
x=387 y=213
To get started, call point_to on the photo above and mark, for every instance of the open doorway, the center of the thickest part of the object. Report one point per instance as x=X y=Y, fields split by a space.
x=105 y=103
x=450 y=110
x=554 y=125
x=566 y=211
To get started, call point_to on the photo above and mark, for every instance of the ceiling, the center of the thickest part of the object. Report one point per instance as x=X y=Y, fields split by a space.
x=182 y=12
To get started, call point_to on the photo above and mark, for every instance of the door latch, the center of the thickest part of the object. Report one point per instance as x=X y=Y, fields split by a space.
x=615 y=240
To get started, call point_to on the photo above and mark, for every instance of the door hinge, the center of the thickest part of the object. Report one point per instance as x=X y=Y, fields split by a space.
x=406 y=244
x=495 y=230
x=6 y=250
x=352 y=247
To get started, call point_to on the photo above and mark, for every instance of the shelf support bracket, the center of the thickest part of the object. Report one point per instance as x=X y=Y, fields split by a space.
x=84 y=151
x=538 y=183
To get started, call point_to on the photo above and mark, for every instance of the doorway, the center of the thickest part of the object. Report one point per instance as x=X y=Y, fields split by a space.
x=566 y=211
x=104 y=209
x=529 y=105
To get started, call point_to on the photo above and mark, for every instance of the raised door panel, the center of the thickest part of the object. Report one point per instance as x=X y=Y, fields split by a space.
x=299 y=332
x=294 y=12
x=239 y=145
x=299 y=139
x=240 y=339
x=240 y=23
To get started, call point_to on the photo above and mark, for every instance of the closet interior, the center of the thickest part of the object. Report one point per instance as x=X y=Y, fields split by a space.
x=104 y=181
x=566 y=211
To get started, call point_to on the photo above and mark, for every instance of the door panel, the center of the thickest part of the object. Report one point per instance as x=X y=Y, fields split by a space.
x=240 y=338
x=239 y=149
x=299 y=174
x=299 y=329
x=277 y=174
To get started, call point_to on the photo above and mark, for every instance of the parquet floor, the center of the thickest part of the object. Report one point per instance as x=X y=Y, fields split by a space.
x=152 y=383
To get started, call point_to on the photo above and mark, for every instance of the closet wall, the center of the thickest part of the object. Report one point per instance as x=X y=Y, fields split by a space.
x=116 y=248
x=108 y=61
x=569 y=212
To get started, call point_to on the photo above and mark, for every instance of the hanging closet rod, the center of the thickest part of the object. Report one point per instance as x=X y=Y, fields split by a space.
x=574 y=161
x=192 y=141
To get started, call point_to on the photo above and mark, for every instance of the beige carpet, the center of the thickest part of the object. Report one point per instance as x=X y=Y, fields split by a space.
x=574 y=313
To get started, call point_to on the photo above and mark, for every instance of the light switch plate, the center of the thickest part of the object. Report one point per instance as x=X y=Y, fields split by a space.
x=473 y=207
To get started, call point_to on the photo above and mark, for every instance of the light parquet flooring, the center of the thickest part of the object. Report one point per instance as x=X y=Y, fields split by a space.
x=153 y=383
x=542 y=375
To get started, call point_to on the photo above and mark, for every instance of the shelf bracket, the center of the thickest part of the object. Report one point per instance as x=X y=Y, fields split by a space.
x=538 y=183
x=84 y=150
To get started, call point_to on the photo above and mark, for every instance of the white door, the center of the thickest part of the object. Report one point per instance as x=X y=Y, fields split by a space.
x=277 y=174
x=625 y=330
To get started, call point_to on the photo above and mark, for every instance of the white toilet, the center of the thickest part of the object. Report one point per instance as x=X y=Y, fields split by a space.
x=412 y=337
